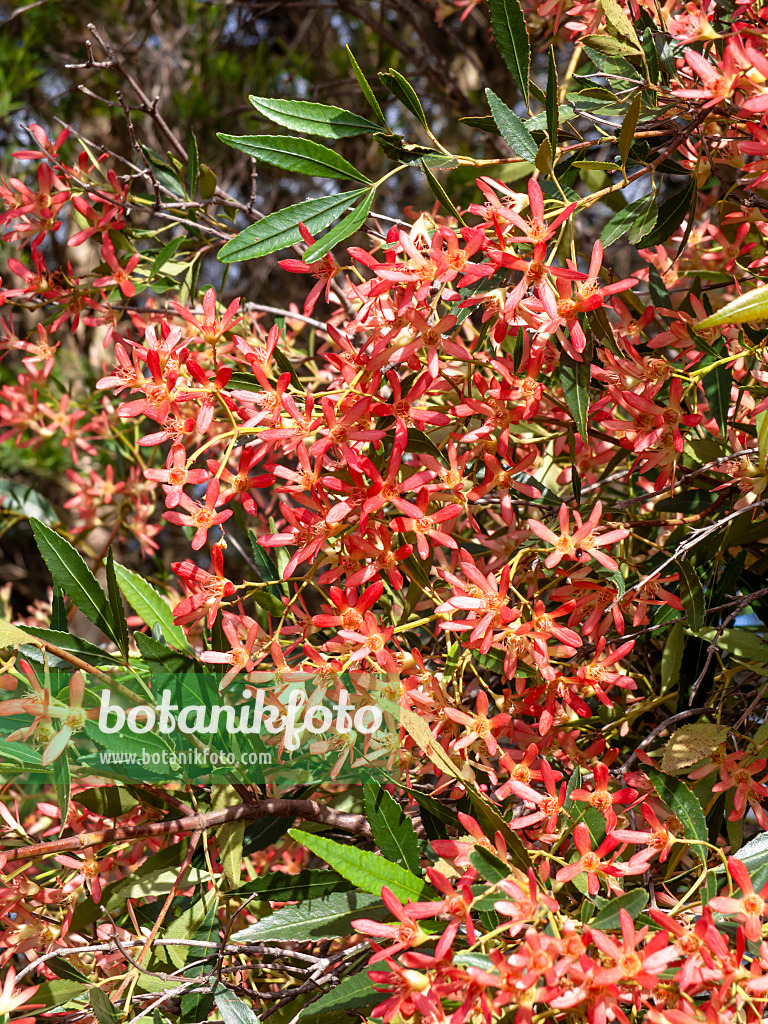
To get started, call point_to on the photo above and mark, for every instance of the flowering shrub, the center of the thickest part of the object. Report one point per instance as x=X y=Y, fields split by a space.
x=509 y=504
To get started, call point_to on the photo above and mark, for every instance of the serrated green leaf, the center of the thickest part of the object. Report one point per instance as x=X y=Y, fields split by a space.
x=62 y=781
x=193 y=165
x=68 y=569
x=298 y=155
x=232 y=1008
x=313 y=118
x=717 y=385
x=670 y=215
x=346 y=227
x=682 y=802
x=102 y=1007
x=440 y=194
x=510 y=34
x=27 y=502
x=116 y=606
x=315 y=919
x=551 y=105
x=607 y=918
x=513 y=130
x=628 y=128
x=622 y=221
x=366 y=90
x=393 y=830
x=362 y=868
x=643 y=224
x=106 y=801
x=574 y=380
x=72 y=645
x=166 y=253
x=609 y=45
x=739 y=642
x=308 y=884
x=672 y=657
x=691 y=594
x=57 y=993
x=147 y=603
x=616 y=16
x=351 y=994
x=488 y=866
x=401 y=88
x=280 y=230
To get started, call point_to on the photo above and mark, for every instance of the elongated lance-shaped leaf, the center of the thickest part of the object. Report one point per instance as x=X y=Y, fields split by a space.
x=513 y=130
x=670 y=216
x=366 y=90
x=281 y=229
x=404 y=91
x=344 y=229
x=313 y=118
x=299 y=155
x=574 y=380
x=147 y=603
x=551 y=101
x=74 y=577
x=748 y=308
x=691 y=594
x=362 y=868
x=511 y=36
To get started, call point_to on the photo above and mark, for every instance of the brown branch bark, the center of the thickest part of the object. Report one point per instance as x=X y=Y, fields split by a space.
x=309 y=810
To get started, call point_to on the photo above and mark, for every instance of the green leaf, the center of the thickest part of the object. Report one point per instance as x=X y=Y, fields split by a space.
x=298 y=155
x=440 y=194
x=147 y=603
x=607 y=918
x=511 y=36
x=24 y=500
x=166 y=253
x=72 y=645
x=515 y=134
x=74 y=577
x=551 y=105
x=643 y=224
x=232 y=1008
x=717 y=389
x=362 y=868
x=308 y=884
x=362 y=81
x=402 y=89
x=392 y=830
x=488 y=866
x=280 y=230
x=102 y=1007
x=761 y=422
x=628 y=128
x=616 y=16
x=670 y=216
x=691 y=594
x=62 y=780
x=682 y=802
x=574 y=380
x=394 y=147
x=116 y=606
x=12 y=636
x=193 y=165
x=749 y=307
x=107 y=801
x=352 y=994
x=329 y=916
x=754 y=856
x=57 y=993
x=346 y=227
x=422 y=444
x=739 y=642
x=672 y=657
x=622 y=221
x=313 y=118
x=658 y=290
x=207 y=182
x=609 y=45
